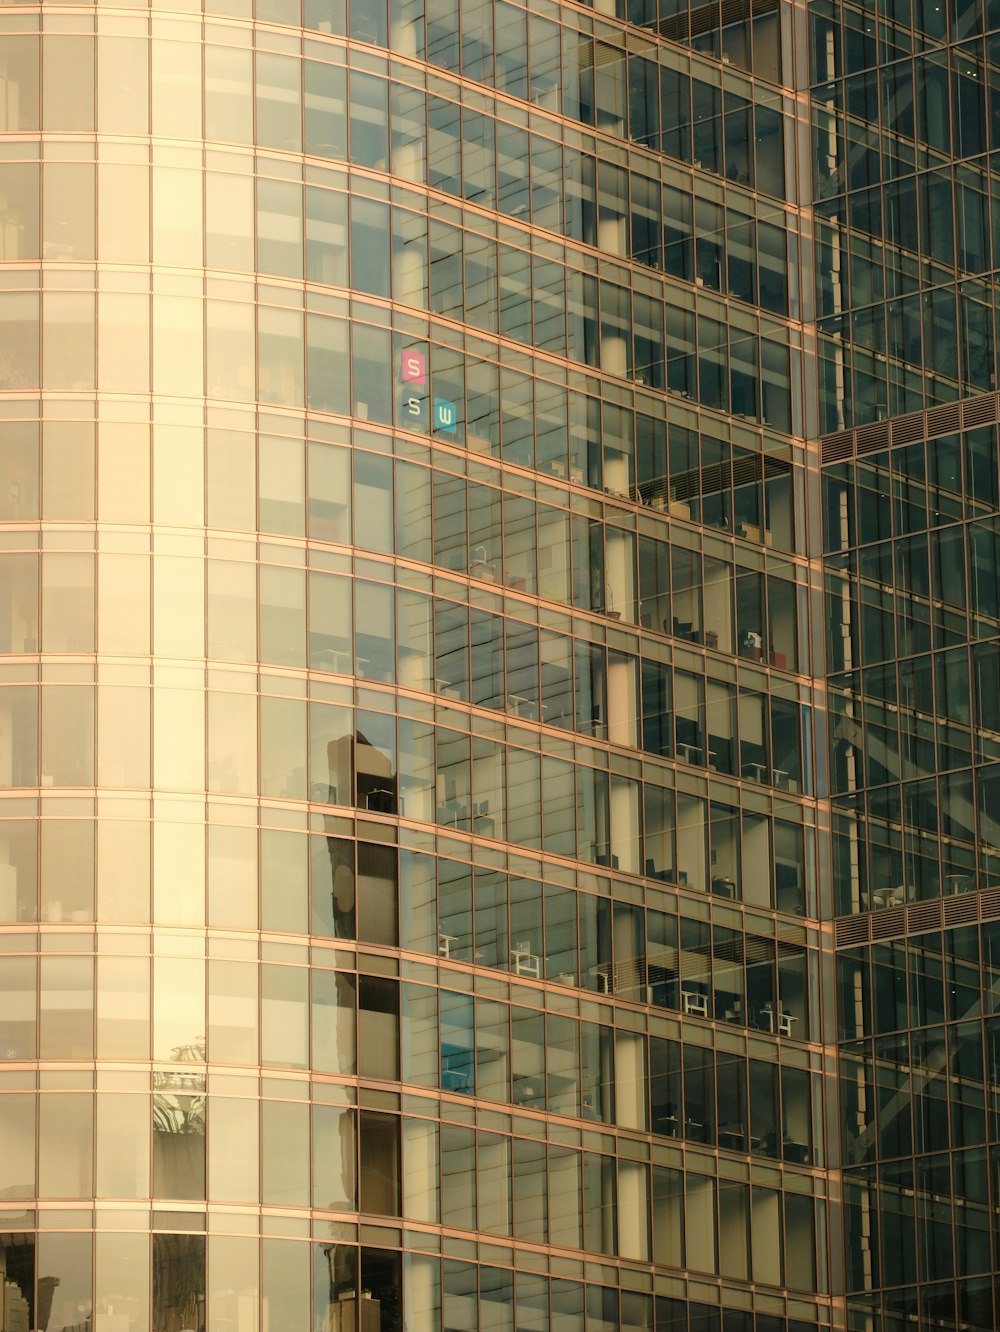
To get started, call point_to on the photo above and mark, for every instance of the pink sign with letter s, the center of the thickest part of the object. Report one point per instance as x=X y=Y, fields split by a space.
x=414 y=367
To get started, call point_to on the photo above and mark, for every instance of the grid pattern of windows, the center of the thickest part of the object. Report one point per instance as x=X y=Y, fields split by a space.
x=904 y=139
x=911 y=590
x=408 y=797
x=444 y=702
x=918 y=1074
x=913 y=620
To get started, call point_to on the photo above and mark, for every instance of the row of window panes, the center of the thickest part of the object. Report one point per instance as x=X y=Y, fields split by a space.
x=224 y=355
x=431 y=1038
x=899 y=354
x=687 y=843
x=474 y=915
x=658 y=230
x=892 y=1244
x=397 y=1035
x=877 y=864
x=907 y=1186
x=924 y=980
x=149 y=1282
x=855 y=36
x=748 y=1105
x=239 y=1151
x=924 y=362
x=930 y=485
x=910 y=234
x=906 y=738
x=484 y=1048
x=296 y=618
x=261 y=97
x=128 y=343
x=970 y=1301
x=679 y=593
x=741 y=35
x=927 y=722
x=470 y=526
x=519 y=173
x=276 y=484
x=904 y=596
x=922 y=1083
x=937 y=106
x=63 y=873
x=683 y=716
x=705 y=974
x=427 y=773
x=244 y=1027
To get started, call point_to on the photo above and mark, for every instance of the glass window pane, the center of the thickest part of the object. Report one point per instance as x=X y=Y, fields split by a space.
x=64 y=1268
x=178 y=1282
x=17 y=1148
x=66 y=1146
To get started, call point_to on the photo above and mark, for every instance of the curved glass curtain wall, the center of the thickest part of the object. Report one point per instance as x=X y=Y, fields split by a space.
x=407 y=823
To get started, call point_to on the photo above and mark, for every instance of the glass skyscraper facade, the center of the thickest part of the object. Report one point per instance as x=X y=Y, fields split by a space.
x=906 y=109
x=499 y=666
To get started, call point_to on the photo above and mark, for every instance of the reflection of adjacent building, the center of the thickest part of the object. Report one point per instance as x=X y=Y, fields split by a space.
x=348 y=1313
x=377 y=786
x=342 y=1307
x=15 y=1309
x=16 y=1282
